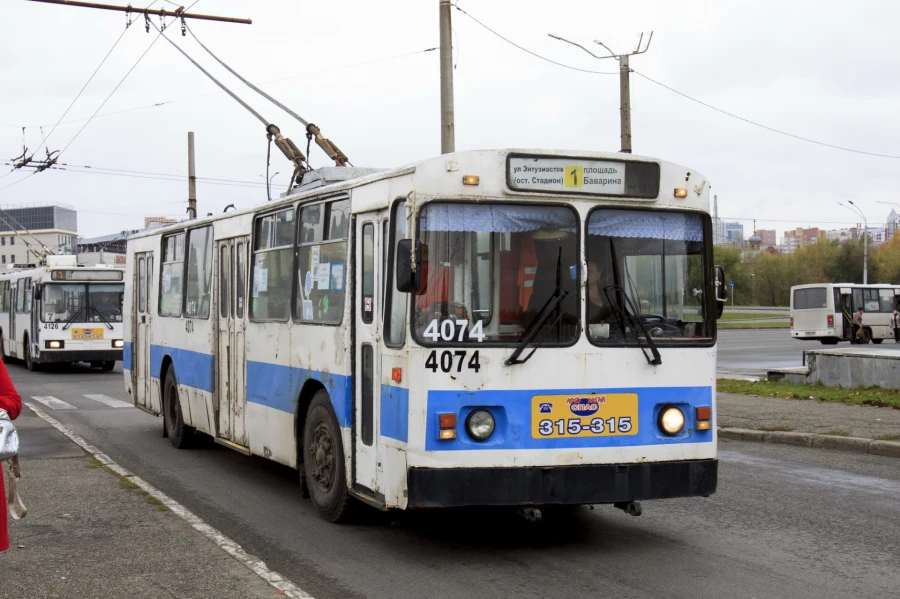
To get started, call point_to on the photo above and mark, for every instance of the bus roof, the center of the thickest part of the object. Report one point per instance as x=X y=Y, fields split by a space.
x=485 y=162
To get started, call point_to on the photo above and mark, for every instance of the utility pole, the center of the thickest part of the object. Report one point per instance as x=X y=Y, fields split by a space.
x=624 y=82
x=448 y=127
x=192 y=179
x=859 y=211
x=179 y=12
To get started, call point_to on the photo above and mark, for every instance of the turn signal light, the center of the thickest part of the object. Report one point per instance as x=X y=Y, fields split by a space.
x=680 y=193
x=704 y=413
x=471 y=179
x=396 y=374
x=703 y=425
x=447 y=424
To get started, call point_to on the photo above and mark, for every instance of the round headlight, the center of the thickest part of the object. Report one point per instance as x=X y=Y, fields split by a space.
x=671 y=421
x=480 y=424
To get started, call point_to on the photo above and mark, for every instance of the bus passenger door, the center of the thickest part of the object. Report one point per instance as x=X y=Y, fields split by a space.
x=232 y=318
x=367 y=378
x=140 y=350
x=12 y=346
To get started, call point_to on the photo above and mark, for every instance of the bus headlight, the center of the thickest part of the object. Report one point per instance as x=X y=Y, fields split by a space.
x=480 y=424
x=671 y=420
x=118 y=343
x=54 y=344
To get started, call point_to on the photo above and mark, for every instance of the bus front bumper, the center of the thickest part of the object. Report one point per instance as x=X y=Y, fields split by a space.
x=560 y=485
x=85 y=355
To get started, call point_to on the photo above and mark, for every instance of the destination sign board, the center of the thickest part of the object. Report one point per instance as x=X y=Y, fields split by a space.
x=582 y=176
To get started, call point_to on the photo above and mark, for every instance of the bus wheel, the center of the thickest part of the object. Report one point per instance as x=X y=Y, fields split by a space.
x=877 y=341
x=107 y=365
x=324 y=460
x=30 y=364
x=179 y=434
x=867 y=335
x=829 y=341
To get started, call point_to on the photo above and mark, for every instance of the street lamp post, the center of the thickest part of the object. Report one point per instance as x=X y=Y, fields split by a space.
x=269 y=185
x=752 y=280
x=865 y=237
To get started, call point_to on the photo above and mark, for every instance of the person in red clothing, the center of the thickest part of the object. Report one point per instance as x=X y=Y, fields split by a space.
x=12 y=404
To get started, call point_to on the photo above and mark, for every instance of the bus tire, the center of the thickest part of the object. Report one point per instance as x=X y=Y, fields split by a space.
x=829 y=341
x=30 y=364
x=180 y=435
x=107 y=365
x=877 y=341
x=867 y=336
x=323 y=462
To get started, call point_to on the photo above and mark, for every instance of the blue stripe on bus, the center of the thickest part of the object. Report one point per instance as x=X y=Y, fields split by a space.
x=278 y=387
x=395 y=412
x=192 y=368
x=512 y=413
x=126 y=356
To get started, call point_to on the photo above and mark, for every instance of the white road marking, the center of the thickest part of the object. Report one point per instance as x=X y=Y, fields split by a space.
x=53 y=403
x=109 y=401
x=258 y=567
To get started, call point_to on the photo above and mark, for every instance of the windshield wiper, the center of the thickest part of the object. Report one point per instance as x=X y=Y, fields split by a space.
x=97 y=312
x=621 y=306
x=542 y=316
x=72 y=318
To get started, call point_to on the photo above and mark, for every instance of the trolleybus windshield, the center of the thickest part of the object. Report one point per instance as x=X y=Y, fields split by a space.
x=491 y=268
x=92 y=302
x=659 y=272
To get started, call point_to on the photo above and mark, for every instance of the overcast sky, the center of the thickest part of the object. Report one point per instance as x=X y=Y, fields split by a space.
x=818 y=69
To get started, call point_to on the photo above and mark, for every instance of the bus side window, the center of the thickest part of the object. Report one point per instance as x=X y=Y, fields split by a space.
x=322 y=262
x=397 y=302
x=224 y=281
x=27 y=307
x=172 y=270
x=272 y=266
x=199 y=273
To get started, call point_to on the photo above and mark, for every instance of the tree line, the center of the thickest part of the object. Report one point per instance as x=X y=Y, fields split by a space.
x=764 y=279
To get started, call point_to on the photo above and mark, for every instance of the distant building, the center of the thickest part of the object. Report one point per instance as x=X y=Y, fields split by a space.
x=158 y=221
x=800 y=237
x=106 y=249
x=843 y=235
x=892 y=224
x=29 y=231
x=768 y=237
x=734 y=233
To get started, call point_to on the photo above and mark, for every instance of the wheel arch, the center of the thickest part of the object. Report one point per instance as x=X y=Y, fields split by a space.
x=309 y=390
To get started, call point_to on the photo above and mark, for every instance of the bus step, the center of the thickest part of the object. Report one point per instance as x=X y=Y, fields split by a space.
x=233 y=445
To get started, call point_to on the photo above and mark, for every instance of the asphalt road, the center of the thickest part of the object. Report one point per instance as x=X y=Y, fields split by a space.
x=786 y=522
x=752 y=351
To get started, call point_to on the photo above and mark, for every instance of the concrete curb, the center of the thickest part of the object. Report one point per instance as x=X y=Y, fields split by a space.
x=889 y=449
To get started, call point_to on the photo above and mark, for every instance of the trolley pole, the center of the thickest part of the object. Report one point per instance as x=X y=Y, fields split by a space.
x=625 y=103
x=448 y=127
x=192 y=179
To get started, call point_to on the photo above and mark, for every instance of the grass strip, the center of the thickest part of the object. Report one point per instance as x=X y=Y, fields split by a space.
x=752 y=315
x=764 y=324
x=870 y=396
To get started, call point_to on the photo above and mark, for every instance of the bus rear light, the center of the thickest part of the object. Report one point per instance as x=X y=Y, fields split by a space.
x=54 y=344
x=118 y=343
x=447 y=424
x=792 y=321
x=830 y=320
x=397 y=375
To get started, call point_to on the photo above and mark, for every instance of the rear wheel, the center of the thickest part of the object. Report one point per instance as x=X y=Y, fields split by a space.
x=180 y=435
x=108 y=365
x=830 y=341
x=323 y=461
x=867 y=335
x=877 y=341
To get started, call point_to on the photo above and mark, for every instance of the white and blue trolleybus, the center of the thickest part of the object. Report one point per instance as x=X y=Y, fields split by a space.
x=59 y=313
x=491 y=328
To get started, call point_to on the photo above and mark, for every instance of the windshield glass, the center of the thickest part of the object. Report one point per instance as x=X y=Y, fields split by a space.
x=491 y=268
x=60 y=302
x=649 y=266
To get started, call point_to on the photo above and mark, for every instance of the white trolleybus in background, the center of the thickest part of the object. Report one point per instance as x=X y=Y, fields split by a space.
x=506 y=328
x=62 y=313
x=824 y=311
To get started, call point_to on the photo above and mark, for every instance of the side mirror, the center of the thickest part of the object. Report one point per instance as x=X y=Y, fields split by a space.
x=721 y=294
x=407 y=280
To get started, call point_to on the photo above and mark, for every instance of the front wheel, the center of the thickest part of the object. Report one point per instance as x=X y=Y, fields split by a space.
x=30 y=364
x=323 y=462
x=108 y=365
x=180 y=435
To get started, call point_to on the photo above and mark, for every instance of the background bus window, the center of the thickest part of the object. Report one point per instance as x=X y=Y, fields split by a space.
x=367 y=307
x=4 y=294
x=397 y=301
x=321 y=262
x=870 y=300
x=886 y=296
x=20 y=296
x=27 y=308
x=810 y=298
x=272 y=263
x=172 y=271
x=224 y=281
x=199 y=274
